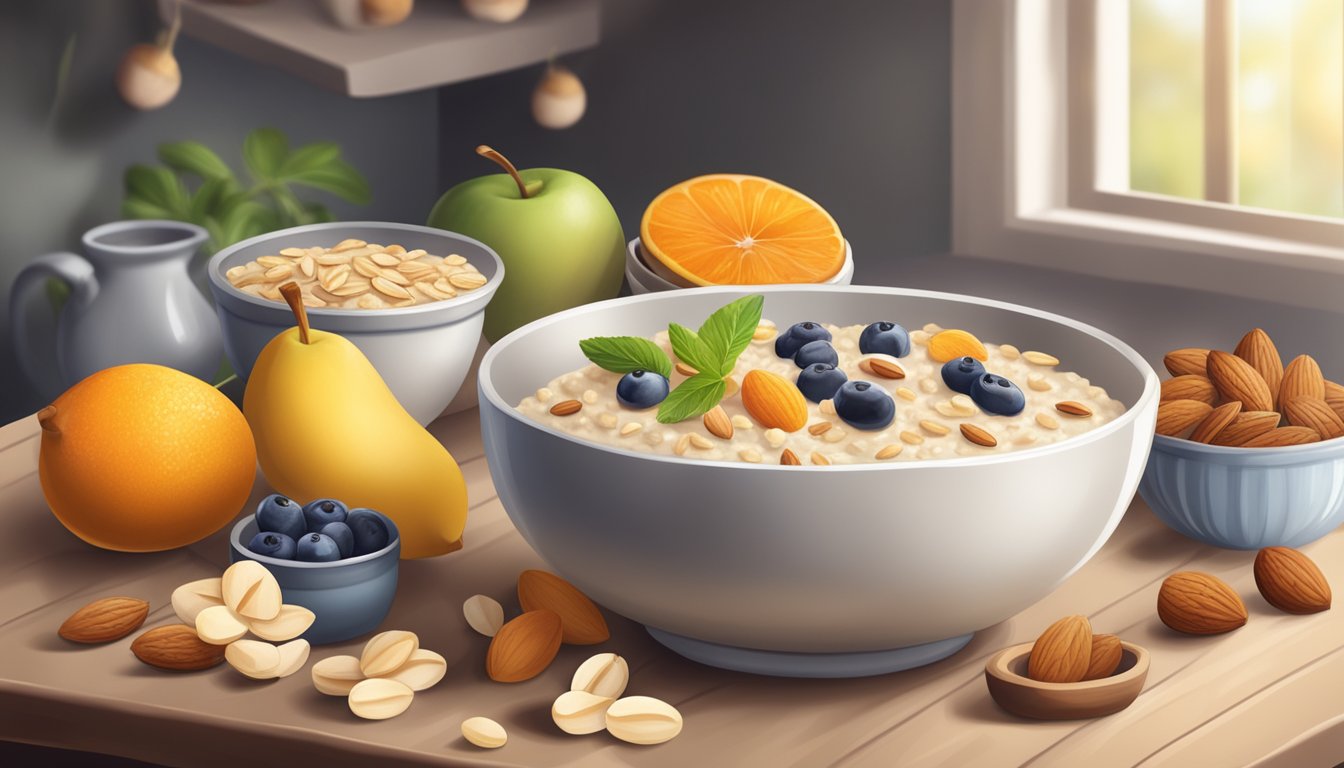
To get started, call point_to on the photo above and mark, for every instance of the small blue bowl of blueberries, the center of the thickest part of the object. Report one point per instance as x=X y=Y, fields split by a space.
x=340 y=563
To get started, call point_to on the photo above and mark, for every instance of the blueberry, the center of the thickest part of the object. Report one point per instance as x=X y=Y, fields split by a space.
x=864 y=405
x=276 y=545
x=342 y=535
x=641 y=389
x=319 y=512
x=816 y=352
x=819 y=381
x=317 y=548
x=788 y=342
x=884 y=338
x=370 y=530
x=995 y=394
x=959 y=374
x=280 y=514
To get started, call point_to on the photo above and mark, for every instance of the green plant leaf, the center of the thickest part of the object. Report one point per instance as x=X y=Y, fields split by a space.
x=138 y=208
x=727 y=332
x=693 y=397
x=194 y=157
x=318 y=213
x=690 y=348
x=337 y=177
x=245 y=220
x=264 y=151
x=214 y=197
x=309 y=157
x=158 y=186
x=623 y=354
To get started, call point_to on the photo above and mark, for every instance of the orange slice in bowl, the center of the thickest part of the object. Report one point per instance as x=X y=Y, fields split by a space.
x=731 y=229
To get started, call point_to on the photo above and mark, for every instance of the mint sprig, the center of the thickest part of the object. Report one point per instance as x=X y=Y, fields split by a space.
x=713 y=351
x=623 y=354
x=692 y=397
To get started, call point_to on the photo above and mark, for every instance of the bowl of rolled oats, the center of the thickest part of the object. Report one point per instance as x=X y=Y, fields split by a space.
x=412 y=299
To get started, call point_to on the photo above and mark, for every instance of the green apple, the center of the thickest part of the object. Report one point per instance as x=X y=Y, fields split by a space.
x=559 y=238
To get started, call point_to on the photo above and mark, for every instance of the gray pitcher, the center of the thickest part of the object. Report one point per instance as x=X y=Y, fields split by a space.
x=131 y=301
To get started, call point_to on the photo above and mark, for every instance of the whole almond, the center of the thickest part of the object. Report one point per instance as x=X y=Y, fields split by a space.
x=105 y=620
x=387 y=651
x=1235 y=379
x=1334 y=397
x=1199 y=604
x=423 y=670
x=176 y=647
x=1063 y=651
x=580 y=712
x=566 y=408
x=1290 y=581
x=1106 y=655
x=717 y=422
x=1245 y=426
x=193 y=597
x=292 y=621
x=1174 y=417
x=582 y=620
x=605 y=674
x=1258 y=349
x=253 y=658
x=789 y=458
x=1191 y=360
x=483 y=614
x=1303 y=411
x=1281 y=437
x=336 y=675
x=1216 y=422
x=250 y=590
x=1302 y=377
x=978 y=435
x=379 y=699
x=524 y=647
x=773 y=401
x=1190 y=387
x=643 y=720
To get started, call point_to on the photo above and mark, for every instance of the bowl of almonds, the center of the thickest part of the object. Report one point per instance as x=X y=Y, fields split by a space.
x=411 y=298
x=1248 y=451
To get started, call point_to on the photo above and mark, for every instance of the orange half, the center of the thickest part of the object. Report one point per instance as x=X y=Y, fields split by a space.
x=731 y=229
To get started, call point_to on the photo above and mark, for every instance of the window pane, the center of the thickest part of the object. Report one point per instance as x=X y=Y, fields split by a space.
x=1166 y=97
x=1290 y=109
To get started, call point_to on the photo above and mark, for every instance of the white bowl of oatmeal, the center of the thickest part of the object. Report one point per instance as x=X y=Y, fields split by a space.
x=423 y=292
x=845 y=565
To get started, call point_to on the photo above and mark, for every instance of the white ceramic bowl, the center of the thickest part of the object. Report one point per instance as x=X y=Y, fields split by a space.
x=645 y=275
x=802 y=570
x=423 y=352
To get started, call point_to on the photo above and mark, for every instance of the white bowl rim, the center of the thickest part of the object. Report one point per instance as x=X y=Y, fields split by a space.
x=1151 y=385
x=485 y=292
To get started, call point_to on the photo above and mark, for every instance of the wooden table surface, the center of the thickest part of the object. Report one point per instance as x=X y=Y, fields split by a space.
x=1271 y=693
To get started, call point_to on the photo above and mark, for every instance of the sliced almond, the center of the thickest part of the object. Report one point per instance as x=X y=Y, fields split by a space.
x=605 y=674
x=250 y=590
x=366 y=267
x=379 y=699
x=389 y=288
x=218 y=625
x=193 y=597
x=347 y=245
x=292 y=621
x=580 y=712
x=423 y=670
x=1040 y=358
x=351 y=287
x=293 y=655
x=819 y=428
x=483 y=614
x=387 y=651
x=336 y=675
x=467 y=280
x=881 y=367
x=253 y=658
x=393 y=276
x=281 y=272
x=889 y=451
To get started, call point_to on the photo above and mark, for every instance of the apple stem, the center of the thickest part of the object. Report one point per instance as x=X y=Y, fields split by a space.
x=490 y=154
x=294 y=298
x=46 y=418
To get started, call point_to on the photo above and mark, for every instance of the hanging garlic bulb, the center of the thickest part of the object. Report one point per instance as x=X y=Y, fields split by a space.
x=502 y=11
x=559 y=100
x=148 y=76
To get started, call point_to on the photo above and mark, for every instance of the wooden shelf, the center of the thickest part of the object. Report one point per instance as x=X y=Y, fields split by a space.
x=440 y=44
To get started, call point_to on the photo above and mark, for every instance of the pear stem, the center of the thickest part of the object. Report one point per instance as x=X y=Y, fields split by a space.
x=294 y=298
x=490 y=154
x=46 y=418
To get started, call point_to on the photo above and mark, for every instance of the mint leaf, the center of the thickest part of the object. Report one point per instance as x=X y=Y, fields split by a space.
x=623 y=354
x=194 y=157
x=727 y=332
x=692 y=397
x=690 y=349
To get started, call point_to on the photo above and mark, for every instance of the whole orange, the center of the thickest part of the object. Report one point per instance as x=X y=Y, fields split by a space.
x=142 y=458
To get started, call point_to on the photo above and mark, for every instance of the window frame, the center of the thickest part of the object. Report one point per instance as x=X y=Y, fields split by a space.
x=1031 y=186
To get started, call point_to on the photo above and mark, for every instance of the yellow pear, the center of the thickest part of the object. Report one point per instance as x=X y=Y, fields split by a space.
x=326 y=425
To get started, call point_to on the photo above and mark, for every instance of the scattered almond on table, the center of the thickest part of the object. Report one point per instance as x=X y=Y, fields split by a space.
x=382 y=681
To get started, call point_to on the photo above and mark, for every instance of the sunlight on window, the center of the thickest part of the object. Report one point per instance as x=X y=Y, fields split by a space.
x=1166 y=97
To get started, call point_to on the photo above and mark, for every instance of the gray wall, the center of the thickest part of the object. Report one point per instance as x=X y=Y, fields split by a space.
x=61 y=174
x=845 y=101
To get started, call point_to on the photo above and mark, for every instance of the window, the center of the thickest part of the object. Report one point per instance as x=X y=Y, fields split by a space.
x=1198 y=142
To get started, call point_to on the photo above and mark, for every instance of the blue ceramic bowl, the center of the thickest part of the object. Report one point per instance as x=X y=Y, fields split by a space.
x=1246 y=498
x=351 y=597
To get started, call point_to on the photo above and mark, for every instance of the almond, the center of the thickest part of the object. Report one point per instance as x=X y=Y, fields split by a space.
x=524 y=647
x=1190 y=387
x=250 y=591
x=1191 y=360
x=881 y=368
x=978 y=435
x=1235 y=379
x=1302 y=411
x=1174 y=417
x=1302 y=377
x=773 y=401
x=1246 y=426
x=1199 y=604
x=176 y=647
x=789 y=458
x=717 y=423
x=1334 y=397
x=1283 y=436
x=566 y=408
x=1290 y=581
x=1073 y=408
x=1063 y=651
x=1106 y=655
x=105 y=620
x=582 y=621
x=1216 y=422
x=386 y=652
x=1258 y=349
x=951 y=344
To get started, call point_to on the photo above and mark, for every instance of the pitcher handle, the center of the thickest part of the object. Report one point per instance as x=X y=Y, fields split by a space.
x=70 y=268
